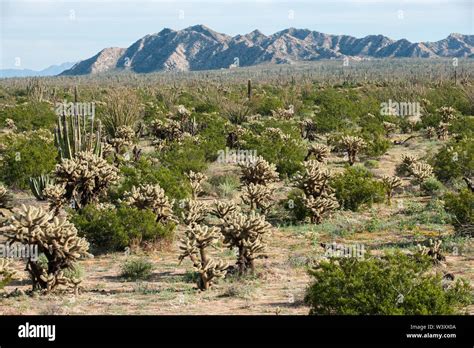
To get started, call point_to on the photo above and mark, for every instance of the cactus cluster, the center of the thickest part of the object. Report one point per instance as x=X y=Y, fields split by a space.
x=285 y=114
x=352 y=145
x=245 y=233
x=421 y=171
x=55 y=195
x=319 y=197
x=5 y=198
x=10 y=125
x=389 y=128
x=151 y=197
x=222 y=209
x=123 y=139
x=196 y=240
x=319 y=151
x=55 y=237
x=258 y=171
x=7 y=273
x=76 y=133
x=433 y=250
x=258 y=177
x=85 y=177
x=194 y=212
x=390 y=184
x=308 y=129
x=196 y=180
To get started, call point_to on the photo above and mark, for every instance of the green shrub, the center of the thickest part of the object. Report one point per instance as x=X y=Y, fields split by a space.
x=286 y=154
x=295 y=205
x=371 y=164
x=394 y=285
x=136 y=269
x=460 y=206
x=432 y=187
x=26 y=156
x=454 y=160
x=356 y=187
x=30 y=116
x=114 y=229
x=143 y=172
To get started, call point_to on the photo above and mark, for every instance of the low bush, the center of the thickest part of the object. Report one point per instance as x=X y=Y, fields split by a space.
x=396 y=284
x=25 y=156
x=112 y=229
x=461 y=207
x=356 y=187
x=136 y=269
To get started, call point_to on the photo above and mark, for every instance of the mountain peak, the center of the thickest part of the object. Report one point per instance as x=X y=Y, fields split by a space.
x=198 y=48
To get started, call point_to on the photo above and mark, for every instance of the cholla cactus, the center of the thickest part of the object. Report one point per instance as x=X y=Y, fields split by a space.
x=257 y=196
x=196 y=180
x=258 y=171
x=123 y=139
x=55 y=237
x=389 y=128
x=222 y=209
x=430 y=132
x=169 y=130
x=7 y=273
x=5 y=198
x=182 y=113
x=318 y=197
x=10 y=124
x=245 y=233
x=320 y=206
x=352 y=145
x=55 y=195
x=308 y=129
x=421 y=171
x=234 y=135
x=194 y=211
x=319 y=151
x=404 y=167
x=86 y=177
x=442 y=130
x=391 y=183
x=433 y=251
x=447 y=113
x=151 y=197
x=196 y=240
x=286 y=114
x=314 y=180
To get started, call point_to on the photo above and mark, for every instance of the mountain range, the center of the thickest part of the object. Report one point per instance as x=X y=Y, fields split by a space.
x=49 y=71
x=201 y=48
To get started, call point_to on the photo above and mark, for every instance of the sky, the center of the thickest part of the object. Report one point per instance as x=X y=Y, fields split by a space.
x=35 y=34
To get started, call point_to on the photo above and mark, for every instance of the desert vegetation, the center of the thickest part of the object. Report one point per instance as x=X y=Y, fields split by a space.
x=198 y=193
